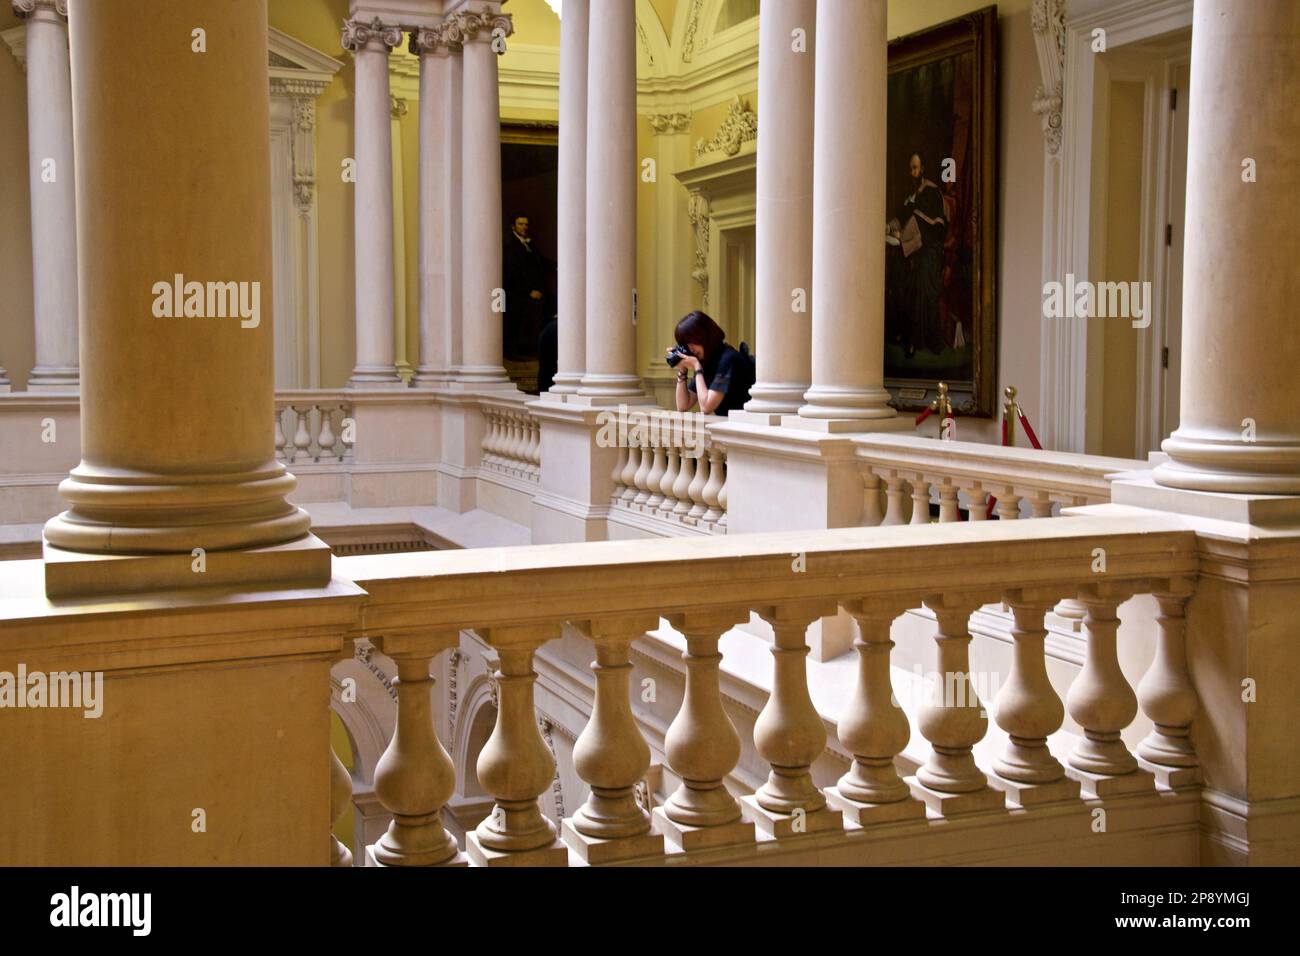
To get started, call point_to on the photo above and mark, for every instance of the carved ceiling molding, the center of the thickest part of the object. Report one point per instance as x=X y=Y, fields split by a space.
x=692 y=27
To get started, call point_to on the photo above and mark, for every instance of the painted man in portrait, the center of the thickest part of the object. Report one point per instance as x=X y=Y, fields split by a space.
x=916 y=266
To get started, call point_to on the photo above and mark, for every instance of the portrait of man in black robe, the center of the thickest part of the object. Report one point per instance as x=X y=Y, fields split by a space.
x=916 y=269
x=526 y=273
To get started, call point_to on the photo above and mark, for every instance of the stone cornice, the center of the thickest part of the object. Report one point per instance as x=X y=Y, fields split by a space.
x=357 y=34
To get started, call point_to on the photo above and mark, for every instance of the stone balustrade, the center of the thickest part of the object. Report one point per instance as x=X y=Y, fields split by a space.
x=314 y=426
x=610 y=593
x=966 y=476
x=512 y=442
x=669 y=469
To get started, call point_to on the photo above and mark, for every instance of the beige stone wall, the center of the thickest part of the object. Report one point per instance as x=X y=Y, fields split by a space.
x=17 y=338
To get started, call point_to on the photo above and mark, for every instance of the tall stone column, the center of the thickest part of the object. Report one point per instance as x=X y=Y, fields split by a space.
x=611 y=204
x=481 y=33
x=436 y=135
x=370 y=44
x=1239 y=431
x=53 y=191
x=848 y=278
x=784 y=204
x=571 y=223
x=174 y=235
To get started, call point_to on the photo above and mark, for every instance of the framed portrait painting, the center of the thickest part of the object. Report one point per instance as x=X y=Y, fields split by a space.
x=941 y=209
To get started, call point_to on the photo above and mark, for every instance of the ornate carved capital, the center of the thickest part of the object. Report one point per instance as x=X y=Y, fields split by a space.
x=397 y=107
x=486 y=25
x=25 y=8
x=670 y=122
x=435 y=39
x=1047 y=17
x=304 y=113
x=357 y=34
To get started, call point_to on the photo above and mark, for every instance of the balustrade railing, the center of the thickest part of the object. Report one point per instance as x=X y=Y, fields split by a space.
x=313 y=426
x=668 y=467
x=517 y=599
x=966 y=477
x=512 y=440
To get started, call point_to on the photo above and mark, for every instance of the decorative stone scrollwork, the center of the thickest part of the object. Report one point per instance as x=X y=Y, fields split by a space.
x=692 y=27
x=467 y=26
x=546 y=725
x=25 y=8
x=357 y=34
x=304 y=113
x=1047 y=17
x=304 y=190
x=443 y=38
x=697 y=212
x=739 y=127
x=670 y=122
x=397 y=107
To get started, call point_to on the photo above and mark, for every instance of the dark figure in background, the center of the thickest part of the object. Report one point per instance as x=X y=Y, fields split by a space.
x=525 y=272
x=916 y=280
x=711 y=372
x=548 y=355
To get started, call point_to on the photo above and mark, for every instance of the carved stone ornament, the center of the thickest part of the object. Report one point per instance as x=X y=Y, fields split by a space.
x=692 y=27
x=357 y=34
x=740 y=126
x=435 y=39
x=25 y=8
x=1047 y=17
x=697 y=212
x=485 y=25
x=670 y=122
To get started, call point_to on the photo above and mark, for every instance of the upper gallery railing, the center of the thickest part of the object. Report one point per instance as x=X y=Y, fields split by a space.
x=612 y=592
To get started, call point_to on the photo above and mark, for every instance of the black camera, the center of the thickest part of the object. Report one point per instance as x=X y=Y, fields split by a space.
x=678 y=353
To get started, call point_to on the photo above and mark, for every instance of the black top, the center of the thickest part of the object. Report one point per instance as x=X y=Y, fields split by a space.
x=731 y=372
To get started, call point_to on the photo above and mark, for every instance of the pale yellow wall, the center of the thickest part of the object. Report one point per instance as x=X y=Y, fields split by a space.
x=17 y=335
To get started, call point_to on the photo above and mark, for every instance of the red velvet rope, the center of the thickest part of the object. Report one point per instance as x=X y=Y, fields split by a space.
x=924 y=415
x=1029 y=432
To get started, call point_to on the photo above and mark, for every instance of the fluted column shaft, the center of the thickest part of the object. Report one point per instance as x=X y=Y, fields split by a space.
x=1237 y=432
x=611 y=203
x=437 y=66
x=53 y=194
x=149 y=480
x=848 y=278
x=784 y=204
x=481 y=33
x=571 y=189
x=372 y=194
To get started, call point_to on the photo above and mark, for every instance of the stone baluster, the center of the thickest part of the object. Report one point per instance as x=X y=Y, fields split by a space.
x=340 y=797
x=948 y=510
x=952 y=718
x=696 y=489
x=721 y=524
x=534 y=446
x=347 y=433
x=326 y=440
x=1101 y=701
x=712 y=490
x=873 y=727
x=616 y=476
x=302 y=435
x=415 y=778
x=488 y=444
x=1008 y=508
x=701 y=744
x=872 y=514
x=1028 y=708
x=654 y=494
x=280 y=440
x=1167 y=696
x=977 y=504
x=895 y=510
x=920 y=499
x=1040 y=505
x=514 y=441
x=670 y=478
x=515 y=765
x=610 y=754
x=682 y=486
x=641 y=480
x=789 y=733
x=630 y=468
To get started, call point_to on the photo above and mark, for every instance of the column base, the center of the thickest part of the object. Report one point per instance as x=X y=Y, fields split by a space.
x=785 y=825
x=587 y=400
x=1233 y=466
x=48 y=378
x=430 y=377
x=553 y=854
x=838 y=426
x=596 y=851
x=305 y=563
x=481 y=376
x=375 y=376
x=872 y=814
x=739 y=833
x=460 y=859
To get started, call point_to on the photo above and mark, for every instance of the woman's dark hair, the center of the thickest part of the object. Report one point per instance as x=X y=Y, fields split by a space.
x=697 y=328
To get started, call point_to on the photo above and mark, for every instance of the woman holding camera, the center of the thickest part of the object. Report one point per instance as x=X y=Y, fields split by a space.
x=708 y=369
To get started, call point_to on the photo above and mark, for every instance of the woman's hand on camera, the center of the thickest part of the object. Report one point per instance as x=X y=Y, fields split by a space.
x=690 y=362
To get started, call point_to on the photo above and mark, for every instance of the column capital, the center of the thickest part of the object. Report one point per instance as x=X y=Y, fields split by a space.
x=467 y=26
x=27 y=8
x=358 y=35
x=441 y=39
